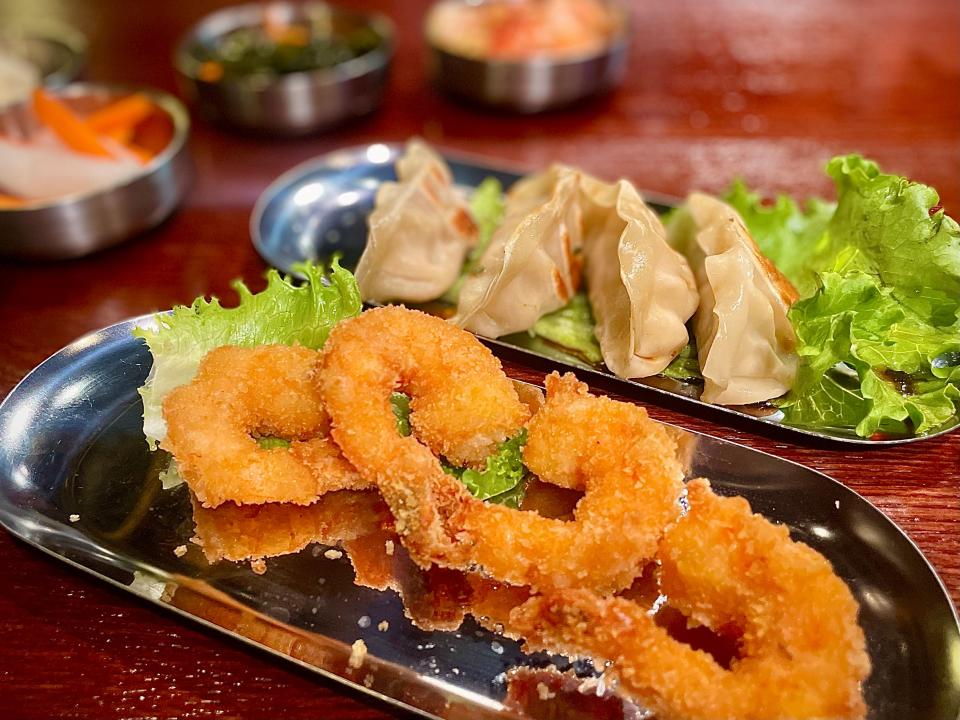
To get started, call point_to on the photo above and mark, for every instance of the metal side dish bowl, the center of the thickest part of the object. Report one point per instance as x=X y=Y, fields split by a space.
x=56 y=51
x=291 y=97
x=84 y=222
x=535 y=82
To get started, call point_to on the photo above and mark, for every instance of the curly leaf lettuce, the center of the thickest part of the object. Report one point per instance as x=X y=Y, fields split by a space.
x=400 y=404
x=572 y=326
x=888 y=350
x=501 y=480
x=685 y=367
x=486 y=206
x=787 y=235
x=878 y=327
x=895 y=229
x=283 y=313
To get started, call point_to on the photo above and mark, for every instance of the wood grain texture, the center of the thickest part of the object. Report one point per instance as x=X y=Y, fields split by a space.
x=768 y=91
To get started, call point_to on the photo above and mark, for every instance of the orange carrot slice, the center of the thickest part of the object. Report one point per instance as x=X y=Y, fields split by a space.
x=9 y=201
x=67 y=125
x=154 y=133
x=122 y=135
x=210 y=71
x=143 y=155
x=121 y=115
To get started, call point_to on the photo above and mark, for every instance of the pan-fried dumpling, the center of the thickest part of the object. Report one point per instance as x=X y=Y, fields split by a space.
x=420 y=232
x=745 y=340
x=641 y=290
x=531 y=266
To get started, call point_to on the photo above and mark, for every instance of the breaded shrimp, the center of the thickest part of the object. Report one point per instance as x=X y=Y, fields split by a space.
x=239 y=393
x=802 y=654
x=461 y=405
x=625 y=464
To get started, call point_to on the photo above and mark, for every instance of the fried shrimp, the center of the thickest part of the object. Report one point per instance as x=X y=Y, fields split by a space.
x=462 y=405
x=801 y=652
x=624 y=462
x=237 y=395
x=626 y=466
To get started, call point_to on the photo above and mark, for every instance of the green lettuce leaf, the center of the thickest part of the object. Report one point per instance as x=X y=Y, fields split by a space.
x=503 y=474
x=685 y=367
x=512 y=498
x=572 y=327
x=789 y=236
x=925 y=410
x=400 y=404
x=501 y=481
x=486 y=207
x=887 y=353
x=271 y=443
x=895 y=229
x=879 y=323
x=282 y=313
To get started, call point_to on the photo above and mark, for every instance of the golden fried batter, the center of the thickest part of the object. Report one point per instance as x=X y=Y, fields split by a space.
x=462 y=405
x=802 y=653
x=626 y=466
x=237 y=394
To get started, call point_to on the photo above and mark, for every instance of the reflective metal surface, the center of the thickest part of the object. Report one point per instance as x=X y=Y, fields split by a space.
x=77 y=481
x=57 y=50
x=294 y=103
x=83 y=223
x=532 y=85
x=320 y=207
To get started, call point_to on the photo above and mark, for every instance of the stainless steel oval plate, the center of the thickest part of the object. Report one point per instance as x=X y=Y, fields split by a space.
x=320 y=208
x=77 y=481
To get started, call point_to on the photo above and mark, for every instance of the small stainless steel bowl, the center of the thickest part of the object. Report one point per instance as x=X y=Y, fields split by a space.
x=58 y=51
x=530 y=85
x=80 y=224
x=294 y=103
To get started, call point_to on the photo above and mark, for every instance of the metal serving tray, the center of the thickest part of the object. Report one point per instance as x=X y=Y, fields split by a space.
x=320 y=207
x=78 y=482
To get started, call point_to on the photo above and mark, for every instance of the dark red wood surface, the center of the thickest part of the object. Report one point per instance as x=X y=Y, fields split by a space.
x=768 y=91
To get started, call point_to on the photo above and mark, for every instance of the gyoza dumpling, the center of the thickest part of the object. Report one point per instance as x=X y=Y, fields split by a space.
x=745 y=340
x=420 y=232
x=531 y=267
x=641 y=290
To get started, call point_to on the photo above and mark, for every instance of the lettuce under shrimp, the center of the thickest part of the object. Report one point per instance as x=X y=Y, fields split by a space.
x=503 y=477
x=283 y=313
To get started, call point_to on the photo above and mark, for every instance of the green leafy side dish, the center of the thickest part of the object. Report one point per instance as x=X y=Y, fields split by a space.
x=253 y=51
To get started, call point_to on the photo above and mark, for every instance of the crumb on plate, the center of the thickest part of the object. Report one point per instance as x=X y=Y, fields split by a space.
x=358 y=652
x=544 y=692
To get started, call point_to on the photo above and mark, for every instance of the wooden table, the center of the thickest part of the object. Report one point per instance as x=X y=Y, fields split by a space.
x=768 y=91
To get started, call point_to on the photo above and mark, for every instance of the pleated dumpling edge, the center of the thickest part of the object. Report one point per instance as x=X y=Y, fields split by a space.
x=642 y=291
